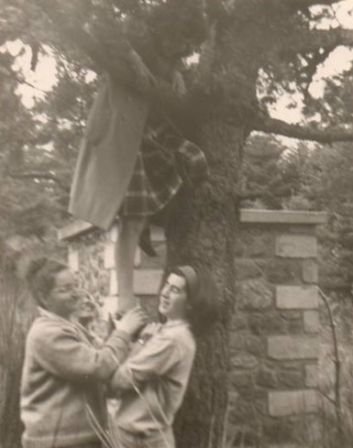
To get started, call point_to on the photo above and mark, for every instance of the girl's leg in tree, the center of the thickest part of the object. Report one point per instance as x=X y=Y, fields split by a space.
x=129 y=234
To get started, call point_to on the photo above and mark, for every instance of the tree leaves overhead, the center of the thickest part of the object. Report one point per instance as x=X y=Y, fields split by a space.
x=279 y=45
x=39 y=145
x=246 y=54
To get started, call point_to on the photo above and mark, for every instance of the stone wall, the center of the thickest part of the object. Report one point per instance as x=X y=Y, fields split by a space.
x=274 y=342
x=91 y=255
x=274 y=332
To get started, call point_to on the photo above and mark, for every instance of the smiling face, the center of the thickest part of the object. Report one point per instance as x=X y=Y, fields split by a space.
x=173 y=298
x=62 y=299
x=86 y=310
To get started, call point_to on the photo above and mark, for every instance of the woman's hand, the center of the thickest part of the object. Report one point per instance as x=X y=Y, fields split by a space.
x=132 y=321
x=149 y=330
x=147 y=333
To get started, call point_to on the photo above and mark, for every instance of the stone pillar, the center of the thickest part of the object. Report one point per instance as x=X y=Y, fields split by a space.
x=274 y=332
x=148 y=270
x=91 y=255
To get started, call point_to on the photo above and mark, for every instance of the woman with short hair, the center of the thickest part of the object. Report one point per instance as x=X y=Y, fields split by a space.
x=152 y=382
x=62 y=402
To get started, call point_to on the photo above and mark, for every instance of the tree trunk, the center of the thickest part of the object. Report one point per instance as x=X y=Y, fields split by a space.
x=202 y=233
x=17 y=312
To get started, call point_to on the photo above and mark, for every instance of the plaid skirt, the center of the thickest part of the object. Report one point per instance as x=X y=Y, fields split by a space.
x=154 y=182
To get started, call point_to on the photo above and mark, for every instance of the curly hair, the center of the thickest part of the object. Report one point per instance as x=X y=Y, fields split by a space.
x=41 y=275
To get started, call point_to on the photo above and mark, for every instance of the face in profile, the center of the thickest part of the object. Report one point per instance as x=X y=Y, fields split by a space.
x=63 y=298
x=173 y=297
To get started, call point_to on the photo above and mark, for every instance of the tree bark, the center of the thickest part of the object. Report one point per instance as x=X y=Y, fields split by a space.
x=279 y=127
x=17 y=313
x=202 y=233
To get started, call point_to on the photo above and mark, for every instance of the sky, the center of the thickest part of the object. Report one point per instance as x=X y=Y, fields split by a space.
x=340 y=59
x=42 y=79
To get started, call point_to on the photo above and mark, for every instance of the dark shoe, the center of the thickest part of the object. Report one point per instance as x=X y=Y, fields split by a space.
x=145 y=242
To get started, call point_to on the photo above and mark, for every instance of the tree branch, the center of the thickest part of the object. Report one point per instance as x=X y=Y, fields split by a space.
x=317 y=39
x=38 y=175
x=330 y=135
x=105 y=45
x=11 y=74
x=307 y=3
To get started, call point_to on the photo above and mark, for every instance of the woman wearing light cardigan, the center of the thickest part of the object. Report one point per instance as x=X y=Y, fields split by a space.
x=62 y=401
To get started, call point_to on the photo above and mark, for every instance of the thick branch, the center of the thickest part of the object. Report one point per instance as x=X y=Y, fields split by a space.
x=326 y=39
x=330 y=135
x=105 y=45
x=14 y=76
x=109 y=49
x=39 y=175
x=308 y=3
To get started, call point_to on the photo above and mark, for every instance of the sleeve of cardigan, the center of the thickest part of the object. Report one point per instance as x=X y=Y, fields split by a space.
x=61 y=351
x=156 y=358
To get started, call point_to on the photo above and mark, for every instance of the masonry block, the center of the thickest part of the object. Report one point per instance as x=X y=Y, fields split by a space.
x=266 y=378
x=311 y=321
x=239 y=322
x=278 y=432
x=293 y=347
x=255 y=294
x=297 y=217
x=157 y=261
x=157 y=234
x=295 y=326
x=255 y=243
x=310 y=271
x=266 y=322
x=280 y=271
x=285 y=403
x=291 y=379
x=287 y=445
x=248 y=268
x=296 y=246
x=241 y=380
x=244 y=361
x=311 y=375
x=146 y=282
x=297 y=297
x=74 y=260
x=109 y=256
x=109 y=307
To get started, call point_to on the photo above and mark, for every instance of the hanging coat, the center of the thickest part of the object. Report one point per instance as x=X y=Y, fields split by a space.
x=107 y=154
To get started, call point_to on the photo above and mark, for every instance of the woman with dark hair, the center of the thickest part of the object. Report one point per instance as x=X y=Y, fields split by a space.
x=152 y=382
x=62 y=402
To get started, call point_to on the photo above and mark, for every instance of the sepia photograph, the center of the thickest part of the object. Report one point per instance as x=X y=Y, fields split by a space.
x=176 y=224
